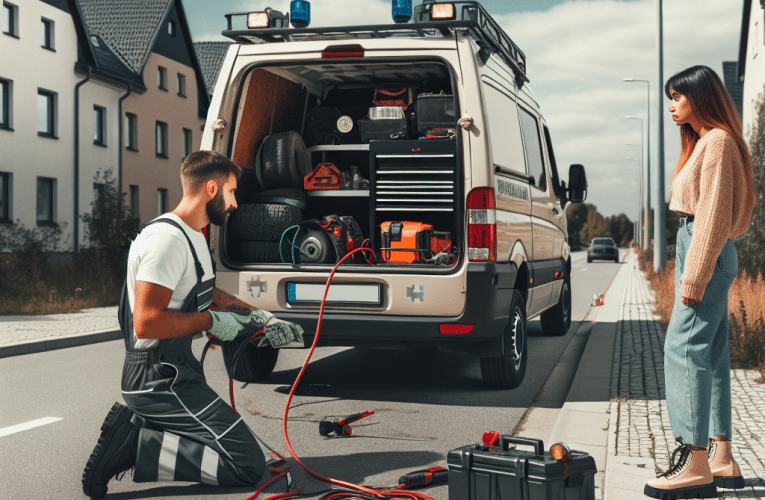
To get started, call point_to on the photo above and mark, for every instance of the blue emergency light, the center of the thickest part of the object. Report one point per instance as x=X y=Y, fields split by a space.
x=402 y=10
x=300 y=13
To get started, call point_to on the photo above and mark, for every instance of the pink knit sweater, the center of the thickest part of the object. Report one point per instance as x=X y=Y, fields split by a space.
x=716 y=186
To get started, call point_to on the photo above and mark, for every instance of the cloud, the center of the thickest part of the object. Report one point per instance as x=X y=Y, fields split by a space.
x=577 y=54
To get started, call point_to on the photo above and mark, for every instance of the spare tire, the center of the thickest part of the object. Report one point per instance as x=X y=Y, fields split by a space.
x=293 y=197
x=255 y=251
x=285 y=161
x=262 y=221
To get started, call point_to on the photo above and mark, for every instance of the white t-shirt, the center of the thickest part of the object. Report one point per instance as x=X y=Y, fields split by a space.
x=160 y=254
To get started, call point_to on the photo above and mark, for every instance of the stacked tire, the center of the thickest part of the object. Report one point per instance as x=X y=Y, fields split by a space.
x=256 y=228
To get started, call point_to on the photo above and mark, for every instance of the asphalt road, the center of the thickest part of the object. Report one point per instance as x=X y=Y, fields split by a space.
x=426 y=403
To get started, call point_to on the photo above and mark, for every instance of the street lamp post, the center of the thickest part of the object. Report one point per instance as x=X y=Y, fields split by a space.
x=647 y=215
x=639 y=201
x=660 y=219
x=645 y=239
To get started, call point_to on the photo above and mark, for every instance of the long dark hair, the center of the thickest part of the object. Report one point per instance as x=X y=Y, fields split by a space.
x=711 y=104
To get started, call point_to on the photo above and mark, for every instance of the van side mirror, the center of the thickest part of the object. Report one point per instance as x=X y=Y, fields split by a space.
x=577 y=183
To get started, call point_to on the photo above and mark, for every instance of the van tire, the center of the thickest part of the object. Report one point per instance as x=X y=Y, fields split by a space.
x=508 y=370
x=557 y=320
x=262 y=221
x=256 y=251
x=255 y=364
x=293 y=197
x=285 y=161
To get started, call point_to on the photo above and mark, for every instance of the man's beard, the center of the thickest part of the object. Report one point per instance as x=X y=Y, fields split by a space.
x=216 y=210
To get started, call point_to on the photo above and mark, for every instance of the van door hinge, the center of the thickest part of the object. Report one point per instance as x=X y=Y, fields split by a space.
x=465 y=122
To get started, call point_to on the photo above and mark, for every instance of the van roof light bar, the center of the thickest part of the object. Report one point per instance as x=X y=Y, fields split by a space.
x=470 y=17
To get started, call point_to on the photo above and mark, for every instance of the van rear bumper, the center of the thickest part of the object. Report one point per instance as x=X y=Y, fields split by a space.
x=487 y=307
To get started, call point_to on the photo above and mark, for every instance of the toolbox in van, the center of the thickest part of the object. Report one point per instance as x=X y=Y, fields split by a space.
x=483 y=472
x=434 y=112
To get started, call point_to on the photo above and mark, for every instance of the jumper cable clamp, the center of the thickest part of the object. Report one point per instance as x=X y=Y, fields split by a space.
x=342 y=427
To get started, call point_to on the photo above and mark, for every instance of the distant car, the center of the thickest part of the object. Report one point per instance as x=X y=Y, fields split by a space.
x=604 y=249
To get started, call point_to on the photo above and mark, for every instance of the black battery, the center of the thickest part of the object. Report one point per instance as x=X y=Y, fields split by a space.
x=434 y=112
x=481 y=472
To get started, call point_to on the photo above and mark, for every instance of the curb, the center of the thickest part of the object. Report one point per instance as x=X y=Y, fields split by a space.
x=51 y=344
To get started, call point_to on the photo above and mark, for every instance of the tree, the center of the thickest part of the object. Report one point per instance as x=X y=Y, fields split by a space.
x=110 y=227
x=576 y=215
x=621 y=227
x=752 y=243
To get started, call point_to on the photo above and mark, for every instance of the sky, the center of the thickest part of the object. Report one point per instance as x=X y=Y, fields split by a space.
x=577 y=54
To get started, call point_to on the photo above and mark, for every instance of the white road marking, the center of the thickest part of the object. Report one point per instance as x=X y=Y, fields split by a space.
x=7 y=431
x=583 y=269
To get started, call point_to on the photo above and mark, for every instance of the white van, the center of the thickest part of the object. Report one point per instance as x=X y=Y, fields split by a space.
x=420 y=141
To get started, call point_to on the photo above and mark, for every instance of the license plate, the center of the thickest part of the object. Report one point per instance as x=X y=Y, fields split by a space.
x=341 y=293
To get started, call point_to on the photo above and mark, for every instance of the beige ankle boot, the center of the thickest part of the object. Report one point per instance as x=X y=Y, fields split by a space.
x=688 y=476
x=724 y=468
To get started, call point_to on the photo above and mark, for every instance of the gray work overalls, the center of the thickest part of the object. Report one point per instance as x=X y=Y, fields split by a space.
x=188 y=433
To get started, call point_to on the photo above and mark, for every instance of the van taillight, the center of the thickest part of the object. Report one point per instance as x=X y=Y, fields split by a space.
x=482 y=225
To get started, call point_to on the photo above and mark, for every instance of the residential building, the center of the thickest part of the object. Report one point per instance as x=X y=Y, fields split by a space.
x=732 y=84
x=211 y=56
x=93 y=101
x=751 y=58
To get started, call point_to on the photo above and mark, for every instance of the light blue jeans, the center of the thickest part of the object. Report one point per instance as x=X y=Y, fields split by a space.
x=696 y=356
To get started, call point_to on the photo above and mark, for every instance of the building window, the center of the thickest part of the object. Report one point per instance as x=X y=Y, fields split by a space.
x=171 y=28
x=46 y=200
x=6 y=100
x=47 y=34
x=187 y=142
x=10 y=19
x=99 y=125
x=131 y=132
x=46 y=113
x=161 y=139
x=161 y=201
x=162 y=78
x=5 y=197
x=135 y=203
x=181 y=85
x=98 y=191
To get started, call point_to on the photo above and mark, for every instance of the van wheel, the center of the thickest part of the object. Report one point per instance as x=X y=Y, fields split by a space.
x=557 y=320
x=262 y=222
x=255 y=364
x=507 y=371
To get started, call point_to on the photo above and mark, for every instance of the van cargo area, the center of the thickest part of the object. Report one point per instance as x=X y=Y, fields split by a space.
x=344 y=154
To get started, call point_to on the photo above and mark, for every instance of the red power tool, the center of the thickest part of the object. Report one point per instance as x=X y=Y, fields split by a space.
x=342 y=427
x=422 y=478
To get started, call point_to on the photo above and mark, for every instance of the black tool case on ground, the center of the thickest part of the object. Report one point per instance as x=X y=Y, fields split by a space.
x=480 y=472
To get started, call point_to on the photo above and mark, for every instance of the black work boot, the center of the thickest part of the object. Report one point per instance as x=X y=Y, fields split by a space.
x=115 y=451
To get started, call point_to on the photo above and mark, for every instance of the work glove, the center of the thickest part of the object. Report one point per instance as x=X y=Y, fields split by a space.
x=226 y=325
x=279 y=333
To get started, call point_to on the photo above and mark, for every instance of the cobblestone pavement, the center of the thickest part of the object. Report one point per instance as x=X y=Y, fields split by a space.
x=638 y=398
x=14 y=329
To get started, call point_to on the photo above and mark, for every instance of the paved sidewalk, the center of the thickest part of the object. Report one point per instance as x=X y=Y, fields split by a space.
x=28 y=334
x=640 y=439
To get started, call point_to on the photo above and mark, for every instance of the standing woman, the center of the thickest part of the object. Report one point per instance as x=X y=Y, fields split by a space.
x=713 y=191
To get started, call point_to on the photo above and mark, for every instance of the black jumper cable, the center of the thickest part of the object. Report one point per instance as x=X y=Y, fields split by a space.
x=347 y=489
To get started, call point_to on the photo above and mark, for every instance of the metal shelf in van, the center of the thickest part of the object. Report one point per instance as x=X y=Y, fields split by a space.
x=349 y=193
x=339 y=147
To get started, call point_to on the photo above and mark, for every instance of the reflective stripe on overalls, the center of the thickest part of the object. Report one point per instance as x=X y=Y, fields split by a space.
x=188 y=432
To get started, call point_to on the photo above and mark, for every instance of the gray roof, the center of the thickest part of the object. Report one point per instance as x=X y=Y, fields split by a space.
x=211 y=56
x=733 y=85
x=128 y=27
